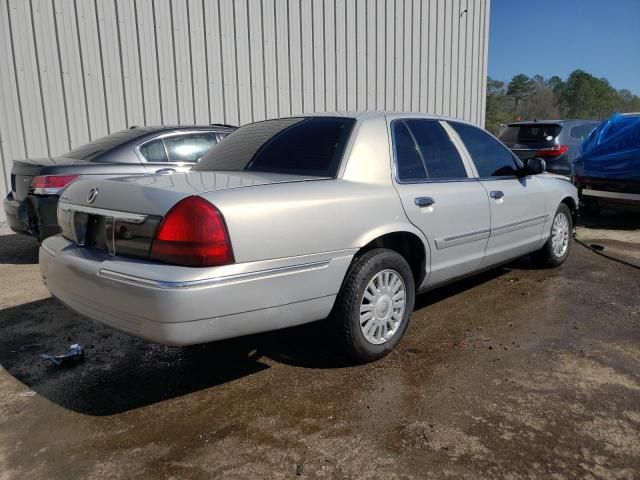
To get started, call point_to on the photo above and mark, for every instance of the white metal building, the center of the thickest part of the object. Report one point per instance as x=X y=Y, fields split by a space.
x=74 y=70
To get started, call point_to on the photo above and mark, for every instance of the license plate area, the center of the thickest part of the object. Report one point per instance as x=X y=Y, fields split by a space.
x=74 y=225
x=113 y=232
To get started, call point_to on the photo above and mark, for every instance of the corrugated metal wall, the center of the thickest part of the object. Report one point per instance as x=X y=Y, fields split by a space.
x=74 y=70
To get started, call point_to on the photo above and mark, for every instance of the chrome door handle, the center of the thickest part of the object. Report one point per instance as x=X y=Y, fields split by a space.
x=166 y=171
x=424 y=201
x=496 y=194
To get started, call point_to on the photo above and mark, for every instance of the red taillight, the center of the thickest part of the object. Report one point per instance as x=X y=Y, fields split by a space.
x=49 y=184
x=554 y=151
x=192 y=233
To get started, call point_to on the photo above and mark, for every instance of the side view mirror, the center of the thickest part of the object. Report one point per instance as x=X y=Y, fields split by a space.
x=534 y=166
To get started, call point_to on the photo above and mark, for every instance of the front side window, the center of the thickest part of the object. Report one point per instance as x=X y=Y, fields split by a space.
x=189 y=148
x=298 y=146
x=492 y=158
x=423 y=150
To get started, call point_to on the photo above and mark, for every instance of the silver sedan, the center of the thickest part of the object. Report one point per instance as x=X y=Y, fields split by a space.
x=344 y=217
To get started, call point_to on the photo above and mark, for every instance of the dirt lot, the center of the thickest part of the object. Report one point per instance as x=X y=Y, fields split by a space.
x=517 y=373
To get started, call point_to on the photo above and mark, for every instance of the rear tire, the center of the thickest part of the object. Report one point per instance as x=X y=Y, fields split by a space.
x=374 y=305
x=556 y=250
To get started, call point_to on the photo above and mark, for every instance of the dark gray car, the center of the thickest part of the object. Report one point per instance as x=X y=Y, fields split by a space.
x=556 y=141
x=36 y=184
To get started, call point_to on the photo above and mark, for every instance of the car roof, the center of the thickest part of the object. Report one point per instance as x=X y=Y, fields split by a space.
x=165 y=128
x=367 y=114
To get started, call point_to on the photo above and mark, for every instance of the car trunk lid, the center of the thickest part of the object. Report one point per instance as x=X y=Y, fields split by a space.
x=24 y=171
x=120 y=215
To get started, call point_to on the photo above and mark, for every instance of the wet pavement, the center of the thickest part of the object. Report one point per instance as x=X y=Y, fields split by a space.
x=515 y=373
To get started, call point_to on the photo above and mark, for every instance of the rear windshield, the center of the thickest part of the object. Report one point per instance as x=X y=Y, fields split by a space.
x=99 y=146
x=540 y=132
x=297 y=146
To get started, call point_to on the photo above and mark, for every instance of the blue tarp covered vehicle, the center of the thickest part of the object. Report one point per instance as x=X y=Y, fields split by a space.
x=607 y=169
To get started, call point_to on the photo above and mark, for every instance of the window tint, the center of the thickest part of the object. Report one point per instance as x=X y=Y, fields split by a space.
x=441 y=158
x=298 y=146
x=154 y=151
x=530 y=133
x=408 y=160
x=581 y=132
x=492 y=158
x=188 y=148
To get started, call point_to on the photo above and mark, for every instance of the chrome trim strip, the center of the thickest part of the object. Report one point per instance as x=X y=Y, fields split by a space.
x=462 y=238
x=510 y=227
x=463 y=235
x=124 y=216
x=606 y=194
x=210 y=282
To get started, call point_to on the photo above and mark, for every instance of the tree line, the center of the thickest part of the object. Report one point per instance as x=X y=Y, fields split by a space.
x=581 y=95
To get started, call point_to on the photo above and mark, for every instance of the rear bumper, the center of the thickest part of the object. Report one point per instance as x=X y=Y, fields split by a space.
x=35 y=216
x=184 y=306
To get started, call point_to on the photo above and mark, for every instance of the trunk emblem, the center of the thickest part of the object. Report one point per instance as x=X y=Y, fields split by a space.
x=91 y=196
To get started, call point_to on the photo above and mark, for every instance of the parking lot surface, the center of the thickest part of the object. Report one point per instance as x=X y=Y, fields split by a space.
x=515 y=373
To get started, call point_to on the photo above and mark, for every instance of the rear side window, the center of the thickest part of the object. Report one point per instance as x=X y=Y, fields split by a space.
x=408 y=160
x=298 y=146
x=492 y=158
x=423 y=150
x=580 y=132
x=154 y=151
x=534 y=133
x=441 y=158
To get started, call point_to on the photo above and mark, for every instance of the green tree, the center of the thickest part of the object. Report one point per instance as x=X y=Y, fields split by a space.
x=497 y=111
x=586 y=96
x=519 y=88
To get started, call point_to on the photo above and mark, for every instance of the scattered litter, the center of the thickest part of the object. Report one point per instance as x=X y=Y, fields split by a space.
x=28 y=393
x=74 y=355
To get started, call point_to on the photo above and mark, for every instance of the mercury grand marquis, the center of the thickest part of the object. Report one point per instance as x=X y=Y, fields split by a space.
x=343 y=217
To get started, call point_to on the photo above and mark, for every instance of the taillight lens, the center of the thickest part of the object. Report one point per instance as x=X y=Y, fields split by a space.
x=51 y=184
x=193 y=233
x=554 y=151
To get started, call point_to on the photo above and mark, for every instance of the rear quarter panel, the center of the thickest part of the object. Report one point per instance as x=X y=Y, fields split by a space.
x=285 y=220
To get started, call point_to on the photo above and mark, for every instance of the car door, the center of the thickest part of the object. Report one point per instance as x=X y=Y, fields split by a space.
x=440 y=197
x=176 y=151
x=518 y=204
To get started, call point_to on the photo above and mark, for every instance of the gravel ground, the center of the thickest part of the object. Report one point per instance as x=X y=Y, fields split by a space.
x=516 y=373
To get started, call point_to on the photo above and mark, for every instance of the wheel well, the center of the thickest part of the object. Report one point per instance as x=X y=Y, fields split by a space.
x=408 y=245
x=571 y=203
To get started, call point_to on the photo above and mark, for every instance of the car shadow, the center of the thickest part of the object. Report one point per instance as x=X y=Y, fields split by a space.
x=120 y=373
x=610 y=219
x=18 y=249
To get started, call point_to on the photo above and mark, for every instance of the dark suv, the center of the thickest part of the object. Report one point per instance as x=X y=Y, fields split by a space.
x=556 y=141
x=36 y=184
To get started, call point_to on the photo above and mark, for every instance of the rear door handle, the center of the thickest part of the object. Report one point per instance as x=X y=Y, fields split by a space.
x=166 y=171
x=496 y=194
x=424 y=201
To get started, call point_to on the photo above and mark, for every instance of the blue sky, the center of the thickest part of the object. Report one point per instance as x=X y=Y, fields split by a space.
x=555 y=37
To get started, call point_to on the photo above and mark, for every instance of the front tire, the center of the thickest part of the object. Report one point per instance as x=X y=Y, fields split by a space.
x=556 y=251
x=374 y=305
